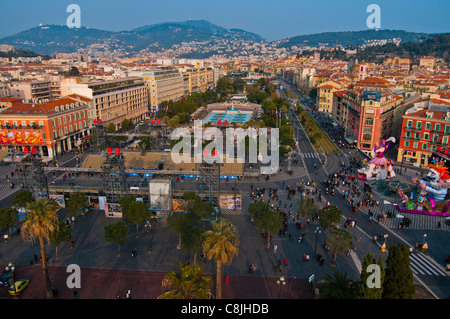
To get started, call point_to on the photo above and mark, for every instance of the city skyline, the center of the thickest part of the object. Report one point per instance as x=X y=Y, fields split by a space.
x=272 y=21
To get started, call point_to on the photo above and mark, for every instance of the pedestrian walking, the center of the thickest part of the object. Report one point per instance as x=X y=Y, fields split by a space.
x=275 y=247
x=129 y=294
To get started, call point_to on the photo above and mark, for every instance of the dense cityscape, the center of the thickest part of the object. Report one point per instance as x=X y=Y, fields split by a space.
x=349 y=202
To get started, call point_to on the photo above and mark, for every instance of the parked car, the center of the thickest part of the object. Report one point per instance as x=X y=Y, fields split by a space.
x=20 y=287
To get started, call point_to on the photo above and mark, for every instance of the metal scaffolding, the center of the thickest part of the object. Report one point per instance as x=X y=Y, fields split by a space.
x=114 y=178
x=209 y=183
x=31 y=175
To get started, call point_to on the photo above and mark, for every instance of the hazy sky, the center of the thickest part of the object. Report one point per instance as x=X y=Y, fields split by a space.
x=273 y=20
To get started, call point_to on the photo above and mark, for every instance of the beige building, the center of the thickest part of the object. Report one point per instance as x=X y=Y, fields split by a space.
x=427 y=62
x=36 y=91
x=163 y=85
x=112 y=101
x=199 y=79
x=325 y=92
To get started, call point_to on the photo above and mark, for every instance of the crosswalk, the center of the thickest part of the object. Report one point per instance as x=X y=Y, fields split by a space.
x=420 y=265
x=309 y=155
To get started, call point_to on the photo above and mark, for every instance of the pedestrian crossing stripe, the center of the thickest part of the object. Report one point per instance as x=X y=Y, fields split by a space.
x=420 y=265
x=309 y=155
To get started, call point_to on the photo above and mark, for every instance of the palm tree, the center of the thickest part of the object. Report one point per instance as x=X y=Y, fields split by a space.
x=338 y=286
x=189 y=284
x=221 y=243
x=40 y=220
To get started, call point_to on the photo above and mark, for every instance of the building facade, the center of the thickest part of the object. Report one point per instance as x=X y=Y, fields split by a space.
x=163 y=85
x=54 y=127
x=425 y=129
x=112 y=101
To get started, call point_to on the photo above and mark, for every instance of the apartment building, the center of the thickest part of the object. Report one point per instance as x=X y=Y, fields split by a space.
x=370 y=116
x=163 y=85
x=425 y=129
x=113 y=100
x=324 y=100
x=199 y=79
x=427 y=62
x=36 y=91
x=51 y=127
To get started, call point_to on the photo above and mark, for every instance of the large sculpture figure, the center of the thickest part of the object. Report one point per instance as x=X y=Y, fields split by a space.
x=378 y=167
x=433 y=191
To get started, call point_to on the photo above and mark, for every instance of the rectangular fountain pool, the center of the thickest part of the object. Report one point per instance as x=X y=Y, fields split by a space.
x=230 y=116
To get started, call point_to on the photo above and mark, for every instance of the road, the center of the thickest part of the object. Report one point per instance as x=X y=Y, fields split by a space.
x=427 y=271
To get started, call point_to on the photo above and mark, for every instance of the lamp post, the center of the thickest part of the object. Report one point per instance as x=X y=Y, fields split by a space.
x=281 y=282
x=148 y=228
x=11 y=268
x=317 y=232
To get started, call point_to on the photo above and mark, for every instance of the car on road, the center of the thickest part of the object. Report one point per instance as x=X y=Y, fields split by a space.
x=20 y=287
x=141 y=123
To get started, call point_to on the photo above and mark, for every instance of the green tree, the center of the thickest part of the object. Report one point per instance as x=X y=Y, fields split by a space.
x=145 y=144
x=8 y=217
x=330 y=217
x=125 y=202
x=126 y=124
x=366 y=292
x=338 y=242
x=221 y=244
x=77 y=203
x=179 y=223
x=192 y=240
x=116 y=233
x=137 y=213
x=73 y=71
x=307 y=208
x=399 y=280
x=111 y=128
x=61 y=233
x=338 y=286
x=266 y=220
x=188 y=284
x=40 y=220
x=22 y=198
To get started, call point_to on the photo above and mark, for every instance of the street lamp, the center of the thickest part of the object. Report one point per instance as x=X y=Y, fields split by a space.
x=317 y=232
x=148 y=228
x=281 y=283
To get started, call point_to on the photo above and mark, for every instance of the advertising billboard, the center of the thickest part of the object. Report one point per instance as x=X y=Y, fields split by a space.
x=21 y=137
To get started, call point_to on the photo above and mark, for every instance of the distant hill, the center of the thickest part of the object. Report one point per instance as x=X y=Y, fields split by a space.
x=350 y=38
x=51 y=39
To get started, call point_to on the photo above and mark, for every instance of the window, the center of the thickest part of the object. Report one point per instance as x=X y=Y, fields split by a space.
x=437 y=127
x=408 y=134
x=435 y=138
x=367 y=137
x=59 y=121
x=426 y=136
x=424 y=146
x=53 y=123
x=406 y=143
x=418 y=125
x=415 y=144
x=447 y=129
x=368 y=121
x=428 y=126
x=445 y=140
x=417 y=136
x=409 y=124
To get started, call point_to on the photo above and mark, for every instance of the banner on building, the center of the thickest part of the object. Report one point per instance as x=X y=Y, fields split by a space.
x=21 y=137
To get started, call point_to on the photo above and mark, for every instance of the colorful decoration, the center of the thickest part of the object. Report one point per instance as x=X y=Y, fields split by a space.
x=431 y=200
x=379 y=167
x=21 y=138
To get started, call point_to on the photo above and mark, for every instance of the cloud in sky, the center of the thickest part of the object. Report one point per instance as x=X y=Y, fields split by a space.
x=273 y=20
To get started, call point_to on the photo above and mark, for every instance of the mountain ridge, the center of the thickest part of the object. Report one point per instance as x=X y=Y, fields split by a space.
x=201 y=35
